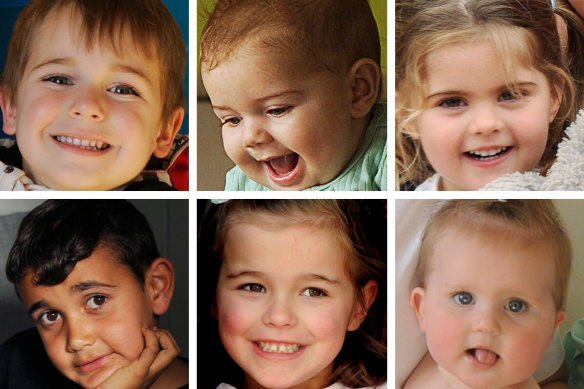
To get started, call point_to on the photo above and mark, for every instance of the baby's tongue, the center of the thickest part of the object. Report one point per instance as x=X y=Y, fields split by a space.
x=485 y=356
x=285 y=164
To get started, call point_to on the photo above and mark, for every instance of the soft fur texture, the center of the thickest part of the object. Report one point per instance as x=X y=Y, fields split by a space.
x=567 y=172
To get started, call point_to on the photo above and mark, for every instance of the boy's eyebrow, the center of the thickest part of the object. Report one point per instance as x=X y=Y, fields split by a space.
x=36 y=306
x=118 y=67
x=83 y=286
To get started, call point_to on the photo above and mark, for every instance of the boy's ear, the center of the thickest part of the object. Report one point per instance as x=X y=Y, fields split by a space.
x=365 y=76
x=360 y=312
x=160 y=284
x=167 y=133
x=417 y=303
x=8 y=113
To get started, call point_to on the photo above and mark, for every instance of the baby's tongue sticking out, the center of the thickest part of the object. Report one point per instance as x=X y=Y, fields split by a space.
x=285 y=164
x=485 y=356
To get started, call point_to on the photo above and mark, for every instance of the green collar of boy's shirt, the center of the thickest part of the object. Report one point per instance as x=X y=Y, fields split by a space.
x=367 y=171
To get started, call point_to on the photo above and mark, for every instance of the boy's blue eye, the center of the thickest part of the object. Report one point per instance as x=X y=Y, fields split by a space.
x=313 y=292
x=49 y=317
x=516 y=306
x=123 y=90
x=96 y=301
x=254 y=288
x=59 y=80
x=463 y=298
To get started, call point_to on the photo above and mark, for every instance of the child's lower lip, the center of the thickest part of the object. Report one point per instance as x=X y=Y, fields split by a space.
x=93 y=365
x=287 y=179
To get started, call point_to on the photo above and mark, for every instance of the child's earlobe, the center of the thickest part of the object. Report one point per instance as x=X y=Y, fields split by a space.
x=160 y=284
x=417 y=303
x=369 y=292
x=168 y=132
x=365 y=82
x=8 y=114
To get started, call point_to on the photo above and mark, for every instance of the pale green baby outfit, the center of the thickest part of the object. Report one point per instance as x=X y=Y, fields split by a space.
x=366 y=171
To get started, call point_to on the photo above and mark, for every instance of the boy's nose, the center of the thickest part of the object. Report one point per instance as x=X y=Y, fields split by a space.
x=279 y=313
x=87 y=105
x=485 y=120
x=80 y=334
x=254 y=135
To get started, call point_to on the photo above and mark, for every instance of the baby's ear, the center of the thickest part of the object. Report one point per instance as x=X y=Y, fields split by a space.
x=417 y=303
x=167 y=133
x=160 y=284
x=360 y=311
x=8 y=113
x=365 y=76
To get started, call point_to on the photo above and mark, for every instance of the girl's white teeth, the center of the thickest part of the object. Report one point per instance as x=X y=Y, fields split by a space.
x=83 y=143
x=487 y=153
x=279 y=347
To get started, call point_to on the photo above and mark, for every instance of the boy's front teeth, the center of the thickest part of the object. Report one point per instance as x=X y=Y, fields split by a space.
x=83 y=143
x=278 y=347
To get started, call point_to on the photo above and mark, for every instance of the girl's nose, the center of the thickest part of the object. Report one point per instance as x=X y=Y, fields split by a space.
x=87 y=104
x=254 y=134
x=485 y=120
x=279 y=313
x=80 y=334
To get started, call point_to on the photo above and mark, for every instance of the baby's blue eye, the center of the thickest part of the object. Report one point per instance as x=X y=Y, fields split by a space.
x=232 y=121
x=59 y=80
x=516 y=306
x=255 y=288
x=463 y=298
x=123 y=90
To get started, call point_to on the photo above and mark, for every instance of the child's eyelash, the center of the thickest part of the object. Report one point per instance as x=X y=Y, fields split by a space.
x=58 y=79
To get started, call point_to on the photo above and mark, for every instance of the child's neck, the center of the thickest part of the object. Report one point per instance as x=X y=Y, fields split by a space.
x=451 y=382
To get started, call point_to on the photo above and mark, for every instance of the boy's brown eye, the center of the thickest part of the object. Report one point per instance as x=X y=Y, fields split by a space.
x=96 y=301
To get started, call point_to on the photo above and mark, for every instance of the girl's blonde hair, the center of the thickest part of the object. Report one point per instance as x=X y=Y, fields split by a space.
x=523 y=29
x=362 y=227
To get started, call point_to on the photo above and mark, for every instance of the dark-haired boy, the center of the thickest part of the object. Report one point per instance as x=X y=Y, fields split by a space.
x=90 y=276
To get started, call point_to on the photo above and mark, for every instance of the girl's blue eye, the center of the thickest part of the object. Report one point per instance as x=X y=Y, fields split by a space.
x=452 y=103
x=59 y=80
x=49 y=317
x=254 y=288
x=313 y=292
x=123 y=90
x=463 y=298
x=94 y=302
x=516 y=306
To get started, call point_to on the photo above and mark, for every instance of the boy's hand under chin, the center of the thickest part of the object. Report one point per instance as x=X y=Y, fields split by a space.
x=159 y=352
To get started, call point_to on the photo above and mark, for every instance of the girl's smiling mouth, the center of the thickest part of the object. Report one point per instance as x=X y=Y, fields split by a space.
x=487 y=154
x=280 y=348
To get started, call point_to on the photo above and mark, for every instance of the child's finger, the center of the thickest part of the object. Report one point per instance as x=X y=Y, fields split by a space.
x=169 y=350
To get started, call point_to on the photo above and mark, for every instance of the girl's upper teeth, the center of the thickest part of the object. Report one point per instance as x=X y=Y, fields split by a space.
x=488 y=153
x=282 y=348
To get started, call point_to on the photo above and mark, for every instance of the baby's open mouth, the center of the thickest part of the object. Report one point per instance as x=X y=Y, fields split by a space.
x=280 y=348
x=487 y=155
x=86 y=144
x=483 y=356
x=285 y=164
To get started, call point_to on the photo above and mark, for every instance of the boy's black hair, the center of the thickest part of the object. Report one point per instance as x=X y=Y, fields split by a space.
x=57 y=234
